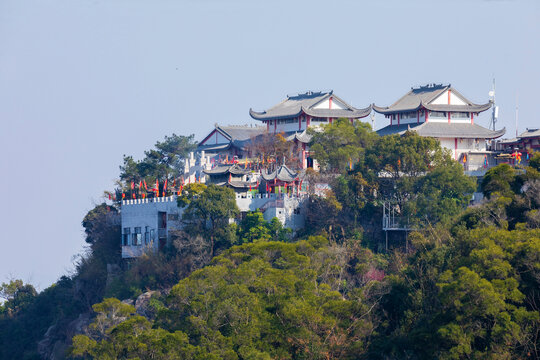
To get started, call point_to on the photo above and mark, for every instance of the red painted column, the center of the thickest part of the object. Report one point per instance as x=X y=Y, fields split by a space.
x=267 y=126
x=427 y=115
x=308 y=120
x=330 y=120
x=330 y=103
x=418 y=116
x=472 y=118
x=300 y=123
x=455 y=151
x=449 y=117
x=398 y=119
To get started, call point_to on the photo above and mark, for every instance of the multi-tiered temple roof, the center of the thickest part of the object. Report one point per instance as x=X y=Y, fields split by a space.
x=315 y=104
x=425 y=97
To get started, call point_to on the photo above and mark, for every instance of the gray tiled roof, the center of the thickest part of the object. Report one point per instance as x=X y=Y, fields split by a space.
x=241 y=132
x=422 y=97
x=242 y=184
x=444 y=130
x=283 y=173
x=303 y=137
x=237 y=135
x=213 y=147
x=293 y=106
x=530 y=133
x=225 y=169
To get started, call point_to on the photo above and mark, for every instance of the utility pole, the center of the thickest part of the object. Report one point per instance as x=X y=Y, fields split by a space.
x=517 y=113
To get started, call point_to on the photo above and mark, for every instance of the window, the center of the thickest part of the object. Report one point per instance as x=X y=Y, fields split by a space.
x=408 y=115
x=147 y=235
x=125 y=236
x=437 y=114
x=137 y=236
x=460 y=115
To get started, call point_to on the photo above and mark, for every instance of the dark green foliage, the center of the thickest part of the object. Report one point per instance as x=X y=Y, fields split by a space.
x=28 y=315
x=207 y=213
x=341 y=144
x=254 y=228
x=261 y=300
x=165 y=161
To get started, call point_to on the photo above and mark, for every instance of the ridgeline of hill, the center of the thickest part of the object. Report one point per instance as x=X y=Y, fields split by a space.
x=466 y=287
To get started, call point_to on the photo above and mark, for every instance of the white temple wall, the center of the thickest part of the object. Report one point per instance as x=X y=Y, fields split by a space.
x=216 y=138
x=443 y=99
x=326 y=105
x=143 y=213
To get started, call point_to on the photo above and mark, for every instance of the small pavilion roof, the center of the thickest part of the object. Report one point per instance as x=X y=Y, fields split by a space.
x=422 y=97
x=282 y=173
x=306 y=103
x=225 y=169
x=241 y=184
x=444 y=130
x=302 y=137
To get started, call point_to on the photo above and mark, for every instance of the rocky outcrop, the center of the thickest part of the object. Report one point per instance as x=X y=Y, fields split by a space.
x=57 y=339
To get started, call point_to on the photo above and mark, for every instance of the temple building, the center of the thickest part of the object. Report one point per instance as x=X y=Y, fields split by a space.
x=241 y=180
x=226 y=143
x=294 y=115
x=441 y=112
x=282 y=180
x=298 y=112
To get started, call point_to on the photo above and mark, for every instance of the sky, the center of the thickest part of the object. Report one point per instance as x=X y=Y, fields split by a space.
x=83 y=82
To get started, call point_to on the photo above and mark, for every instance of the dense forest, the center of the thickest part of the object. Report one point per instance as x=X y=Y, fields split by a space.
x=463 y=284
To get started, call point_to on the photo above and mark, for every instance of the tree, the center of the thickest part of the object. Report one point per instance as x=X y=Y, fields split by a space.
x=166 y=161
x=441 y=194
x=341 y=144
x=499 y=179
x=17 y=295
x=209 y=211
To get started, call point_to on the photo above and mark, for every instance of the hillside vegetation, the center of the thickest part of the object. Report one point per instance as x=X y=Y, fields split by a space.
x=465 y=286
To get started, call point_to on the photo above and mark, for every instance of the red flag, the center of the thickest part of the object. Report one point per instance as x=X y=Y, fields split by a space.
x=165 y=188
x=123 y=195
x=143 y=195
x=109 y=196
x=132 y=185
x=249 y=187
x=157 y=188
x=145 y=187
x=140 y=184
x=133 y=195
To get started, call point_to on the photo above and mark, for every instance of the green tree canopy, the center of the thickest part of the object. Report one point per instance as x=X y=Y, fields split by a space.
x=341 y=143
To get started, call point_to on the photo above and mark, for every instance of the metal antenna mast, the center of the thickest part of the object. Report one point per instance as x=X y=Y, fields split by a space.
x=495 y=113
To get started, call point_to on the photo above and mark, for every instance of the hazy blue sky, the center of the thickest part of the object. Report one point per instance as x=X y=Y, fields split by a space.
x=83 y=82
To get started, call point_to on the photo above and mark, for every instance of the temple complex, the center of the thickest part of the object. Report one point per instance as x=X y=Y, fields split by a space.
x=294 y=115
x=440 y=111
